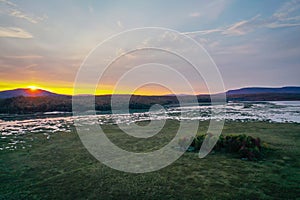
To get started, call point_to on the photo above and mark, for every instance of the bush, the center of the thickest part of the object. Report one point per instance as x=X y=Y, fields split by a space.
x=247 y=147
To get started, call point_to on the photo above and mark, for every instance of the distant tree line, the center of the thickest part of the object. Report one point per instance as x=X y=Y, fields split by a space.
x=22 y=105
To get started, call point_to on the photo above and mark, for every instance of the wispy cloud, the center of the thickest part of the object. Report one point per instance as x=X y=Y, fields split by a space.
x=286 y=9
x=14 y=11
x=31 y=66
x=211 y=10
x=194 y=14
x=120 y=25
x=21 y=15
x=25 y=57
x=241 y=28
x=281 y=25
x=282 y=18
x=214 y=9
x=285 y=15
x=32 y=19
x=203 y=32
x=9 y=3
x=14 y=32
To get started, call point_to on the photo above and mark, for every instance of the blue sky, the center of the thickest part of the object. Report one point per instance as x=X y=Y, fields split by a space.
x=253 y=43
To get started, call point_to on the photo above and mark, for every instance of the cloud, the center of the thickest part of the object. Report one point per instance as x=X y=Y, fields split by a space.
x=120 y=25
x=13 y=10
x=25 y=57
x=31 y=66
x=194 y=14
x=286 y=9
x=8 y=3
x=284 y=17
x=214 y=9
x=19 y=14
x=14 y=32
x=281 y=25
x=239 y=28
x=203 y=32
x=211 y=10
x=246 y=26
x=242 y=27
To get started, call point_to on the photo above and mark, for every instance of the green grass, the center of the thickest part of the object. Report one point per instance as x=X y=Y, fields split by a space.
x=61 y=168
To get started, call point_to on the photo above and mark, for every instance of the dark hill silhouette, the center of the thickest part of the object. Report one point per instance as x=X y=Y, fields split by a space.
x=260 y=90
x=26 y=92
x=33 y=101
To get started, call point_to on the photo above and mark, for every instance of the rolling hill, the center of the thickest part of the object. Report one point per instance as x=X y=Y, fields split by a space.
x=264 y=90
x=32 y=101
x=26 y=92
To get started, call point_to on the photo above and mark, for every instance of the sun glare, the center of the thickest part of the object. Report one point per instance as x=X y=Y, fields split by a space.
x=32 y=88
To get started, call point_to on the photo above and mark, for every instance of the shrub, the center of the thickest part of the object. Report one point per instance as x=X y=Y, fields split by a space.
x=247 y=147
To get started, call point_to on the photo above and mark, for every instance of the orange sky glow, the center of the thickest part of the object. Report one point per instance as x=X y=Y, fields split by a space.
x=69 y=90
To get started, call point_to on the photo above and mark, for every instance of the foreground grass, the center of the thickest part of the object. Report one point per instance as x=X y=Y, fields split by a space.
x=61 y=168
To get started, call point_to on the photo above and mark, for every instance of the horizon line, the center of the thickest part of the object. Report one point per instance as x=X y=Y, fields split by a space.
x=169 y=94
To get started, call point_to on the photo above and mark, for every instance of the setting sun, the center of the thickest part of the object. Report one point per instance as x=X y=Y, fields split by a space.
x=32 y=88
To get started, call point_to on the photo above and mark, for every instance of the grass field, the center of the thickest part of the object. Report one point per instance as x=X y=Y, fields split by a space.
x=61 y=168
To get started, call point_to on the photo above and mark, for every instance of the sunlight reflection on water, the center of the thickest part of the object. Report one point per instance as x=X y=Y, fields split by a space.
x=51 y=123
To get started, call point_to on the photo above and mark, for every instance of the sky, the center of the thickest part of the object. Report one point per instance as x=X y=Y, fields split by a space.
x=253 y=43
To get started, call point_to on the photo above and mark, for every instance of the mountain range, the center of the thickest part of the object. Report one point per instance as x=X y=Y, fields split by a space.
x=260 y=90
x=35 y=101
x=25 y=92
